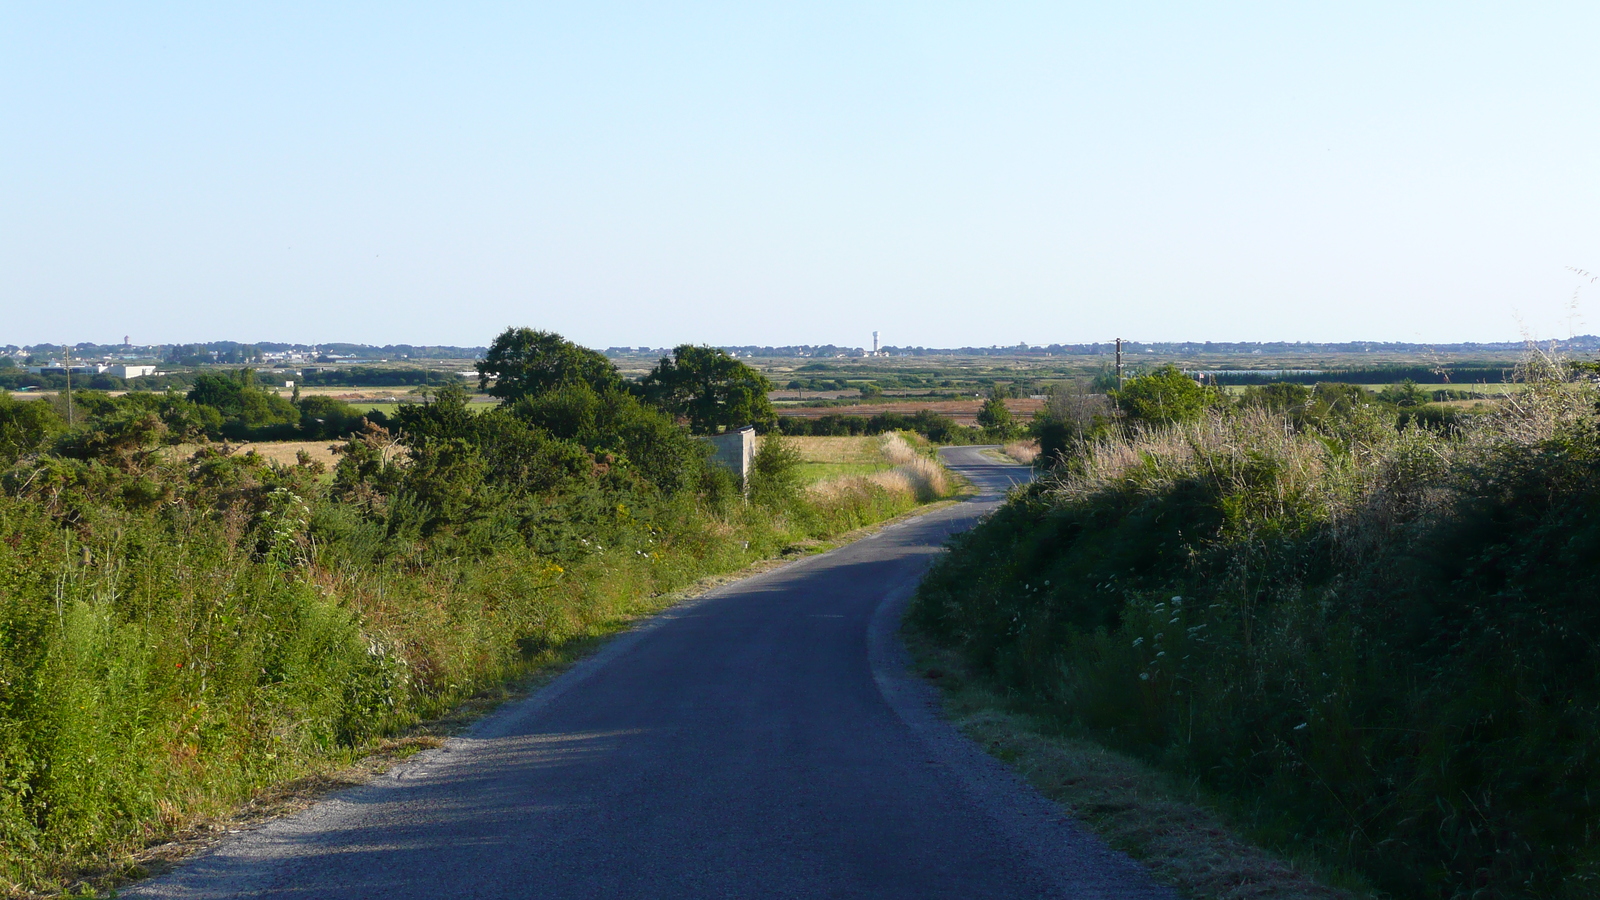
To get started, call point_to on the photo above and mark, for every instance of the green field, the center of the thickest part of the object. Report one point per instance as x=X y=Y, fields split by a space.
x=833 y=457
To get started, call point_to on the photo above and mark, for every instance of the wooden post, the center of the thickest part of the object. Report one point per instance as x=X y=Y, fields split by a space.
x=69 y=384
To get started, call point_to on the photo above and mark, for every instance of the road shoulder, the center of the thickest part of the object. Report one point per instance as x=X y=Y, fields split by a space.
x=1134 y=808
x=490 y=710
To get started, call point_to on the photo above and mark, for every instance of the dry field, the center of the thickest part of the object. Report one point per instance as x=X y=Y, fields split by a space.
x=284 y=452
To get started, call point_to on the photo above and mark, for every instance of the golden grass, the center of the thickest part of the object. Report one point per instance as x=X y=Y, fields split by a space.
x=281 y=452
x=913 y=474
x=894 y=448
x=1024 y=452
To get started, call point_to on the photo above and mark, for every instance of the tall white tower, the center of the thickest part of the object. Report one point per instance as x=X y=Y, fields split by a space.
x=874 y=343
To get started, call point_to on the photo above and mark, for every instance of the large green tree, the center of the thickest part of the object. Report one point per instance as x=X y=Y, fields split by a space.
x=241 y=401
x=995 y=417
x=711 y=389
x=1163 y=397
x=525 y=363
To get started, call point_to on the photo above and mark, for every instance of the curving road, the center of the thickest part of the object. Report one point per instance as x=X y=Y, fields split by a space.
x=763 y=741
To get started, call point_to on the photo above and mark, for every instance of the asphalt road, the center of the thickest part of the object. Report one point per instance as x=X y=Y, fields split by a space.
x=763 y=741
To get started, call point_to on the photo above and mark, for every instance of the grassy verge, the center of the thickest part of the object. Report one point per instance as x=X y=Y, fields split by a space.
x=1168 y=825
x=331 y=773
x=251 y=639
x=835 y=457
x=1375 y=643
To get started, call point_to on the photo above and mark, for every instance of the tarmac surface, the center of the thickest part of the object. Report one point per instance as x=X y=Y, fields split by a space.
x=765 y=741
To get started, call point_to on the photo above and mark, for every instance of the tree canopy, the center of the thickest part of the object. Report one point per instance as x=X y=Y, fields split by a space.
x=523 y=363
x=711 y=389
x=242 y=402
x=994 y=416
x=1162 y=397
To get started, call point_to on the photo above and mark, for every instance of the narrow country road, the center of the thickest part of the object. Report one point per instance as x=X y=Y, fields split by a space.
x=763 y=741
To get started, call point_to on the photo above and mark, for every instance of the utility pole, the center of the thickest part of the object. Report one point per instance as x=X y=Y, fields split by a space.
x=69 y=384
x=1119 y=364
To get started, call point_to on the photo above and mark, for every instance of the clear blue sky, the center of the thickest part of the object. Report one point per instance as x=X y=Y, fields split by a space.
x=753 y=173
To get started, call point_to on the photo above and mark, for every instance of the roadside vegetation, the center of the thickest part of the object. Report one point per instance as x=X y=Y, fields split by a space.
x=1161 y=819
x=1370 y=633
x=1025 y=452
x=180 y=631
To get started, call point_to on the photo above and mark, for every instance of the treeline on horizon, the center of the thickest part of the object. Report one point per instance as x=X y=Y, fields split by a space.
x=1580 y=343
x=309 y=376
x=232 y=352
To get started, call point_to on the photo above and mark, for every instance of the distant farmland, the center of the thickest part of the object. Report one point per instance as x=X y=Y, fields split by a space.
x=964 y=412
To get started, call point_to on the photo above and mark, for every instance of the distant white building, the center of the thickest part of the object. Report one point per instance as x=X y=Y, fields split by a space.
x=131 y=371
x=58 y=369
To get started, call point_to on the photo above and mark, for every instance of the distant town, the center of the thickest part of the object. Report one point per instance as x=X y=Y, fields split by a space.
x=128 y=360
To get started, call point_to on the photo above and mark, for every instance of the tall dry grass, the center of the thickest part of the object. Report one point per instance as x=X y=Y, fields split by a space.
x=1378 y=641
x=914 y=476
x=1025 y=452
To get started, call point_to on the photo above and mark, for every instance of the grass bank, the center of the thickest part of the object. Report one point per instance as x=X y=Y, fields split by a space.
x=1168 y=824
x=1374 y=644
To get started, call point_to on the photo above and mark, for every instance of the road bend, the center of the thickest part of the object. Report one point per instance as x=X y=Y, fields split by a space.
x=764 y=741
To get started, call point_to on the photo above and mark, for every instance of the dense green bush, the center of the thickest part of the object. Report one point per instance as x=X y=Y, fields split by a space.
x=1380 y=641
x=376 y=376
x=1163 y=397
x=25 y=425
x=929 y=424
x=325 y=418
x=775 y=474
x=247 y=410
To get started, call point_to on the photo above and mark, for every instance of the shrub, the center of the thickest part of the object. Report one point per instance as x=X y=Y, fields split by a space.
x=178 y=633
x=1380 y=641
x=25 y=427
x=1163 y=397
x=775 y=474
